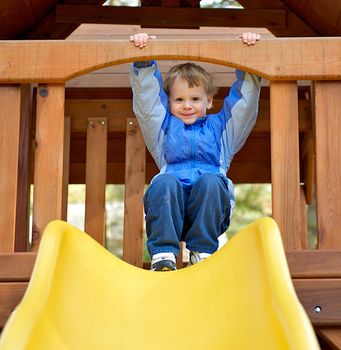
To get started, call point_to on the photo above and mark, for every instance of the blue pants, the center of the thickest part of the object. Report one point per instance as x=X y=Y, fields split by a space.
x=197 y=215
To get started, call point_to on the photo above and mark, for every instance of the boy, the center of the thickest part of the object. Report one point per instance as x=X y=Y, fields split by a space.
x=191 y=199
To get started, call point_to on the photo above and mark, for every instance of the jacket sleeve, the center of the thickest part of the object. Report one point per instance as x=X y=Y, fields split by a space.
x=150 y=105
x=240 y=111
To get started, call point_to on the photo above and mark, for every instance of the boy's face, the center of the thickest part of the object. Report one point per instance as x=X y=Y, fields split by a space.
x=188 y=104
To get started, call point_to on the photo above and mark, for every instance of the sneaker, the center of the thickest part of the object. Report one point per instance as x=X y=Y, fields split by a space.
x=195 y=257
x=163 y=262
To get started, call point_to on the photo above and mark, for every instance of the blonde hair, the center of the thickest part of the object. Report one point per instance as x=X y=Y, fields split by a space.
x=193 y=74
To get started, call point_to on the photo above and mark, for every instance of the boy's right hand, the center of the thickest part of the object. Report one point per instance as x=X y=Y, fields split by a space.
x=140 y=40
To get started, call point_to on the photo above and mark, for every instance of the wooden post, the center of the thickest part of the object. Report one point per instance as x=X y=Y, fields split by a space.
x=66 y=166
x=24 y=175
x=96 y=171
x=49 y=159
x=134 y=190
x=285 y=175
x=9 y=151
x=328 y=162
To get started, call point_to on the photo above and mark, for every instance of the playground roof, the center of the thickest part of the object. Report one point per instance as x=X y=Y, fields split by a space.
x=51 y=19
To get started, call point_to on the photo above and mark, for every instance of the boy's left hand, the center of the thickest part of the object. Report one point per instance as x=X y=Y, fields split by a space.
x=250 y=38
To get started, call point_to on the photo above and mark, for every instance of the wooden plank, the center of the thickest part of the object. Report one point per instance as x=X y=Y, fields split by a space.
x=328 y=163
x=332 y=336
x=96 y=173
x=24 y=169
x=285 y=174
x=304 y=223
x=321 y=299
x=134 y=189
x=9 y=152
x=10 y=295
x=314 y=263
x=179 y=17
x=16 y=266
x=49 y=159
x=117 y=111
x=66 y=167
x=240 y=172
x=308 y=161
x=280 y=59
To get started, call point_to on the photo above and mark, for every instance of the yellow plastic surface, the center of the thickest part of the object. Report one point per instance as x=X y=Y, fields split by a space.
x=82 y=297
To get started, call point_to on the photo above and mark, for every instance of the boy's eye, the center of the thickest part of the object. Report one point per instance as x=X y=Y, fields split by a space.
x=179 y=99
x=196 y=98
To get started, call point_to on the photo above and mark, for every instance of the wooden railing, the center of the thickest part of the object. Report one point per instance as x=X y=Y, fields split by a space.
x=282 y=61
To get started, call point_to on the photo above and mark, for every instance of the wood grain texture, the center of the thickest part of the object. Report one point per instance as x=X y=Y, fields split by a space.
x=180 y=17
x=314 y=263
x=10 y=98
x=11 y=294
x=322 y=293
x=48 y=159
x=133 y=198
x=16 y=266
x=285 y=175
x=24 y=170
x=332 y=337
x=96 y=175
x=328 y=163
x=274 y=59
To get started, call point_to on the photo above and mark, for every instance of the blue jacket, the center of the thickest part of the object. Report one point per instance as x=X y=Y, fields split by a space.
x=209 y=144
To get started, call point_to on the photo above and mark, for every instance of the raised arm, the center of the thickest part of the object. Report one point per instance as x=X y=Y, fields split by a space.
x=240 y=107
x=150 y=102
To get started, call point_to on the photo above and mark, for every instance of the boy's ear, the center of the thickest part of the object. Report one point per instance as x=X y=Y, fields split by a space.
x=210 y=101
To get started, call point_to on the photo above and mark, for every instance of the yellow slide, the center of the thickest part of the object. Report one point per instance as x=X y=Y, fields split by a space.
x=82 y=297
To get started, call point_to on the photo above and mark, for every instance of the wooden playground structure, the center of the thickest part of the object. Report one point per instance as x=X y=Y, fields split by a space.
x=42 y=131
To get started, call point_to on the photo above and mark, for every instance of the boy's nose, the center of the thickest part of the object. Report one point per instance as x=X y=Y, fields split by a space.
x=187 y=105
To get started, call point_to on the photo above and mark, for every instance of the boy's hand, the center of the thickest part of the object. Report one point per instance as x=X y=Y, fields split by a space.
x=141 y=39
x=250 y=38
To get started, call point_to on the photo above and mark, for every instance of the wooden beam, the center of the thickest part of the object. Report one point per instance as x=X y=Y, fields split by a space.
x=48 y=159
x=117 y=112
x=24 y=170
x=133 y=196
x=285 y=173
x=295 y=27
x=274 y=59
x=11 y=294
x=66 y=165
x=179 y=17
x=10 y=99
x=332 y=336
x=328 y=163
x=321 y=299
x=314 y=263
x=16 y=267
x=96 y=175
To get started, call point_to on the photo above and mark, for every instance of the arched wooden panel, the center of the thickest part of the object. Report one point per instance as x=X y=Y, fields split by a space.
x=274 y=59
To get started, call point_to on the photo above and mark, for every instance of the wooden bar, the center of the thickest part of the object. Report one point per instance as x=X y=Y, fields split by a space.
x=16 y=266
x=49 y=159
x=10 y=98
x=10 y=295
x=285 y=174
x=24 y=170
x=57 y=61
x=118 y=110
x=133 y=198
x=314 y=263
x=179 y=17
x=66 y=166
x=96 y=173
x=328 y=163
x=332 y=336
x=321 y=299
x=304 y=223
